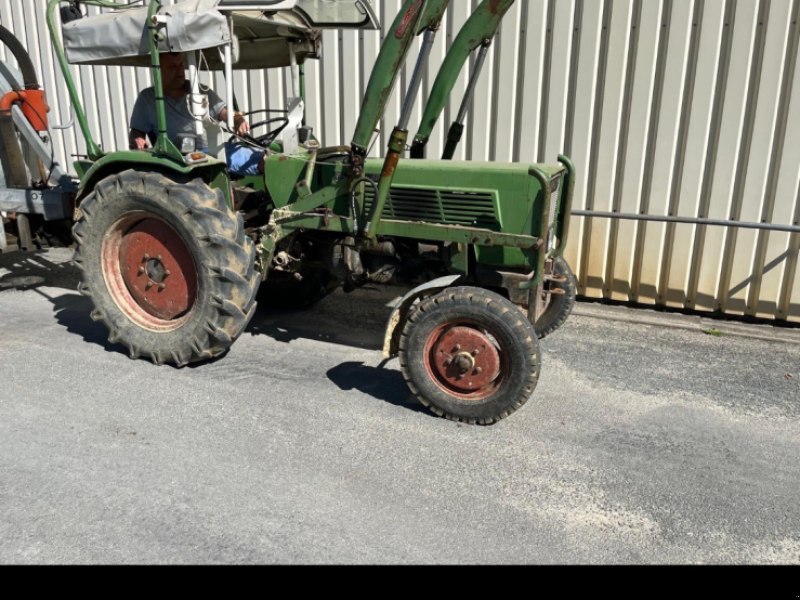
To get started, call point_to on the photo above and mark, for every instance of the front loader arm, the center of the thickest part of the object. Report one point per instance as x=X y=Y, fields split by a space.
x=478 y=31
x=384 y=76
x=429 y=24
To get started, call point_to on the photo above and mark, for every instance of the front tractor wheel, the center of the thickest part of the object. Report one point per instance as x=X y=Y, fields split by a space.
x=470 y=355
x=167 y=266
x=560 y=301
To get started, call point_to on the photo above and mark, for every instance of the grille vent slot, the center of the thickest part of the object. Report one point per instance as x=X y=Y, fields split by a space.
x=442 y=207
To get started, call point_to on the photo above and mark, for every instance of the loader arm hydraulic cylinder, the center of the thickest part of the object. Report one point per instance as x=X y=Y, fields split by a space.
x=416 y=16
x=384 y=76
x=429 y=23
x=481 y=26
x=456 y=132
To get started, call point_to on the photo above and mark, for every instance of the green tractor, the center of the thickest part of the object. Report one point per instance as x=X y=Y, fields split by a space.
x=174 y=250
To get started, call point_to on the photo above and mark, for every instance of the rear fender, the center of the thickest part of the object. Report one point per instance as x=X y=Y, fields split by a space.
x=213 y=172
x=399 y=317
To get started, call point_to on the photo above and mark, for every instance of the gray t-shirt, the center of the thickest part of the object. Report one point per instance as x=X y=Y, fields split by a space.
x=179 y=119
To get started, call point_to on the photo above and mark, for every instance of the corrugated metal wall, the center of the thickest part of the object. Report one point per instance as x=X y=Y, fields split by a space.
x=668 y=107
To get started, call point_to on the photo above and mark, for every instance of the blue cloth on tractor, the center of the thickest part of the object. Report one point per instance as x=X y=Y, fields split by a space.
x=243 y=160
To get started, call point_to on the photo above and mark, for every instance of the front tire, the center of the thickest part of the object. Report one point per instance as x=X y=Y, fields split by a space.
x=470 y=355
x=561 y=302
x=167 y=266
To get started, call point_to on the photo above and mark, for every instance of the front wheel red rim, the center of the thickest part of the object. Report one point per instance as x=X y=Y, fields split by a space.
x=467 y=360
x=150 y=272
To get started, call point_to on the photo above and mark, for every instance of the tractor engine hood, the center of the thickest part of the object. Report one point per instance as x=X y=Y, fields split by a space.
x=261 y=31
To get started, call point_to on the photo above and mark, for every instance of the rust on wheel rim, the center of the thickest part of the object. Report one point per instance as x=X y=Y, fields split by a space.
x=465 y=360
x=150 y=272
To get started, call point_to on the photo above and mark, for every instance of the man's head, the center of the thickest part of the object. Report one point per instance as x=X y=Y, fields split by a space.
x=173 y=72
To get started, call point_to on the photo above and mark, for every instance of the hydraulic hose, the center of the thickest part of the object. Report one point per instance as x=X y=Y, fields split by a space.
x=29 y=78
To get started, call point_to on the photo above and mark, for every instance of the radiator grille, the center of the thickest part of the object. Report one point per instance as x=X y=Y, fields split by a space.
x=444 y=207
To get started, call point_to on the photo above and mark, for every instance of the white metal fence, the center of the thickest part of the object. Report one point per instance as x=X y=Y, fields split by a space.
x=668 y=107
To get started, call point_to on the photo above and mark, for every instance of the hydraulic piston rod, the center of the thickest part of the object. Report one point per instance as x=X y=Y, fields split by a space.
x=397 y=143
x=481 y=26
x=456 y=132
x=431 y=21
x=416 y=79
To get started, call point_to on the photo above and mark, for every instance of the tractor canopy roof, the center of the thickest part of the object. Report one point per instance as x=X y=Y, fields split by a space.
x=261 y=31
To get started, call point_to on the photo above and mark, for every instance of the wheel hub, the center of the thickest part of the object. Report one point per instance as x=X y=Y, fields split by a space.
x=465 y=359
x=158 y=270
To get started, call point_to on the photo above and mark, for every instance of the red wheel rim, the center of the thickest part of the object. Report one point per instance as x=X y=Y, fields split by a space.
x=149 y=271
x=466 y=360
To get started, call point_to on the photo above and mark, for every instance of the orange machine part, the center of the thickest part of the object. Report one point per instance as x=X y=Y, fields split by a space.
x=34 y=107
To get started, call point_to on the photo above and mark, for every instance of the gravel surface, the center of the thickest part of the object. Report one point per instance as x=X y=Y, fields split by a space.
x=646 y=442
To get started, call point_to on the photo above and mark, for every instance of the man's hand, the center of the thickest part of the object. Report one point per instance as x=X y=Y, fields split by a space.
x=140 y=144
x=137 y=140
x=241 y=125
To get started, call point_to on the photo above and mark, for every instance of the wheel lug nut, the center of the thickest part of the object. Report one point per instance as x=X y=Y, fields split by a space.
x=448 y=362
x=146 y=257
x=458 y=348
x=167 y=273
x=478 y=371
x=141 y=270
x=476 y=352
x=158 y=257
x=162 y=287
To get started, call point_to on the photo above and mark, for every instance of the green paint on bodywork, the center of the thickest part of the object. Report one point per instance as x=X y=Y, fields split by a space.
x=283 y=175
x=163 y=144
x=433 y=15
x=459 y=259
x=436 y=200
x=213 y=171
x=518 y=200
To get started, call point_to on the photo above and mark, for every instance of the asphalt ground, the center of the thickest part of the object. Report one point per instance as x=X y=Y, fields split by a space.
x=647 y=441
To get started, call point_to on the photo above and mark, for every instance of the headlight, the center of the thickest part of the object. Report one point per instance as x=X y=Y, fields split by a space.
x=187 y=143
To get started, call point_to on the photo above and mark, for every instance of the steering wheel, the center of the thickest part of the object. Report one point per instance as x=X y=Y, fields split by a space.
x=265 y=140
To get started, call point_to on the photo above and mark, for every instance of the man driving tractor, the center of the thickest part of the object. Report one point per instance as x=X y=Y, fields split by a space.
x=242 y=160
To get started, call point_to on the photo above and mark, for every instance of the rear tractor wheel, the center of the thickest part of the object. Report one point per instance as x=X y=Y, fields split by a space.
x=167 y=266
x=470 y=355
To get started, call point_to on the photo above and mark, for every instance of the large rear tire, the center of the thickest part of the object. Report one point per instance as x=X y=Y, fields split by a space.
x=167 y=266
x=470 y=355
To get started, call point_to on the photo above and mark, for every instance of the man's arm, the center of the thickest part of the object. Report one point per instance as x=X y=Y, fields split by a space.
x=220 y=111
x=140 y=122
x=240 y=124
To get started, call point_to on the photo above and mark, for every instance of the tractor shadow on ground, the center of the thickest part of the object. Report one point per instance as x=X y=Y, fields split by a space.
x=72 y=313
x=355 y=320
x=38 y=271
x=28 y=270
x=378 y=382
